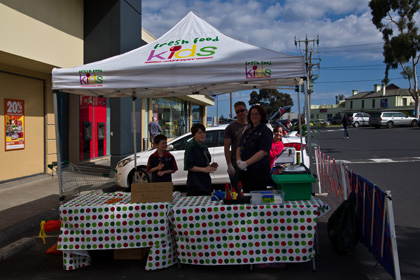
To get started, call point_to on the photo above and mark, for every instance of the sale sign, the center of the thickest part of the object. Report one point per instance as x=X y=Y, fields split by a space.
x=14 y=118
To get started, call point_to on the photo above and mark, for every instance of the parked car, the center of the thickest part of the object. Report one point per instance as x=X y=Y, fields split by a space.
x=337 y=118
x=321 y=122
x=391 y=119
x=359 y=119
x=214 y=141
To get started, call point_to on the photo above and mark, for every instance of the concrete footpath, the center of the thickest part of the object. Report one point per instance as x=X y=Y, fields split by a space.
x=23 y=205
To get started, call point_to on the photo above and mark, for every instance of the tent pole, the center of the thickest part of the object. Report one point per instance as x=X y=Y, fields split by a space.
x=308 y=123
x=58 y=147
x=134 y=133
x=300 y=123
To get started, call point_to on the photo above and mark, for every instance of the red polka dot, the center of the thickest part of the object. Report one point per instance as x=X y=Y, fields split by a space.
x=204 y=225
x=196 y=210
x=290 y=251
x=226 y=253
x=251 y=252
x=220 y=261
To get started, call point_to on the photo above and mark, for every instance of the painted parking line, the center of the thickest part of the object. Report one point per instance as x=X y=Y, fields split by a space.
x=382 y=160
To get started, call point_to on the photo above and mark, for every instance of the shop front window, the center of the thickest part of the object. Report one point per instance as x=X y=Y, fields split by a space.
x=197 y=114
x=172 y=115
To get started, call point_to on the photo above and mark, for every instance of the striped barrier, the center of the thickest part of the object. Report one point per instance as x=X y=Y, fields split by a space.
x=374 y=211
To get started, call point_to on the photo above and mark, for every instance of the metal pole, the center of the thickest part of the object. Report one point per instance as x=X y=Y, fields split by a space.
x=58 y=147
x=308 y=124
x=393 y=234
x=300 y=124
x=134 y=131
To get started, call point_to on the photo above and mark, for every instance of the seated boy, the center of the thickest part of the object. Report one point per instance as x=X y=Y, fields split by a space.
x=161 y=163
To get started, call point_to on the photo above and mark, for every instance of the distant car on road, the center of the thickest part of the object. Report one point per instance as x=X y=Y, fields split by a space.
x=321 y=122
x=337 y=118
x=359 y=119
x=391 y=119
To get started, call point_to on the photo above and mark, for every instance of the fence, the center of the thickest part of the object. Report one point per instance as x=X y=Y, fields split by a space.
x=374 y=212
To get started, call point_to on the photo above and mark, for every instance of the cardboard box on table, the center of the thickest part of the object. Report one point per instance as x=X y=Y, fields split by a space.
x=145 y=193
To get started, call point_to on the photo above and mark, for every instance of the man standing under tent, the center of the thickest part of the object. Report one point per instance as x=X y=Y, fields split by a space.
x=233 y=134
x=154 y=129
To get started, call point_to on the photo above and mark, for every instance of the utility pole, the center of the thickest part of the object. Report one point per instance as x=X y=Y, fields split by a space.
x=307 y=89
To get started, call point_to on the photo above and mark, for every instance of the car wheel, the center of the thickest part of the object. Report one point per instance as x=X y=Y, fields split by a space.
x=356 y=124
x=414 y=123
x=389 y=124
x=141 y=177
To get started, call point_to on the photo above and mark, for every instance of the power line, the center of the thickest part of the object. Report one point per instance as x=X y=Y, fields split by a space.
x=349 y=46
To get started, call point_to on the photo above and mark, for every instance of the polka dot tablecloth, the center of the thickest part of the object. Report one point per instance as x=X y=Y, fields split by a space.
x=89 y=223
x=210 y=233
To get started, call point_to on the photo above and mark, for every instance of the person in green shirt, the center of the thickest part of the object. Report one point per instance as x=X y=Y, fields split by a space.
x=197 y=161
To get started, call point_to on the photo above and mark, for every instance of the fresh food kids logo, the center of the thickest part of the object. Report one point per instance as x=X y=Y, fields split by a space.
x=178 y=51
x=91 y=78
x=257 y=69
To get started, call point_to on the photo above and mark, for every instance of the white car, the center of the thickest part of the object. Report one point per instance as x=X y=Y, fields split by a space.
x=214 y=141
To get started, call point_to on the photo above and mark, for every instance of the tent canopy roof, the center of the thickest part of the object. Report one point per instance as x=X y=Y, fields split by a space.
x=191 y=58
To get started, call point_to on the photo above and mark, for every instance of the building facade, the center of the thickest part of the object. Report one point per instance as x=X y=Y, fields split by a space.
x=45 y=34
x=381 y=98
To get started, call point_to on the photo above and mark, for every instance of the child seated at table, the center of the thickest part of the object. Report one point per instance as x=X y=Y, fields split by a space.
x=161 y=163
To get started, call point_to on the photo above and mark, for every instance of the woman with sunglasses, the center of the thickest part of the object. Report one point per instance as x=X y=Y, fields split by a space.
x=252 y=154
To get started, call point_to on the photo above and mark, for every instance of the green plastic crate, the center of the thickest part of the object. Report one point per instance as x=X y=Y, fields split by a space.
x=295 y=186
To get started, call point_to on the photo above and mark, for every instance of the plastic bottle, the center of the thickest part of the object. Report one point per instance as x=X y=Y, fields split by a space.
x=227 y=191
x=234 y=193
x=242 y=190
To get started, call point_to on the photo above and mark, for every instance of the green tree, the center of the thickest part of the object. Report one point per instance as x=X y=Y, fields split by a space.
x=395 y=19
x=270 y=99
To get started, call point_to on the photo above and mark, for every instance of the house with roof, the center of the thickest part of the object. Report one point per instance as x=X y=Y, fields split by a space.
x=382 y=98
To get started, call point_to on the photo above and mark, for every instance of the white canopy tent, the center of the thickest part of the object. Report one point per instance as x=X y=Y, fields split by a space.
x=191 y=58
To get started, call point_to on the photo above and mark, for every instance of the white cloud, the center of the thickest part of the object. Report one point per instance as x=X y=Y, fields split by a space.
x=272 y=24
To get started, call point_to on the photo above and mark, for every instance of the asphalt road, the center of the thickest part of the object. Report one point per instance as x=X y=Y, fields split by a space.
x=389 y=158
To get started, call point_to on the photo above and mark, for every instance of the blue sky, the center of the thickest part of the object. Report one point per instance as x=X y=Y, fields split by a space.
x=350 y=47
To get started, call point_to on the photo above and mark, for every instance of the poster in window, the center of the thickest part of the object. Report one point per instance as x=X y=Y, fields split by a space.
x=14 y=119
